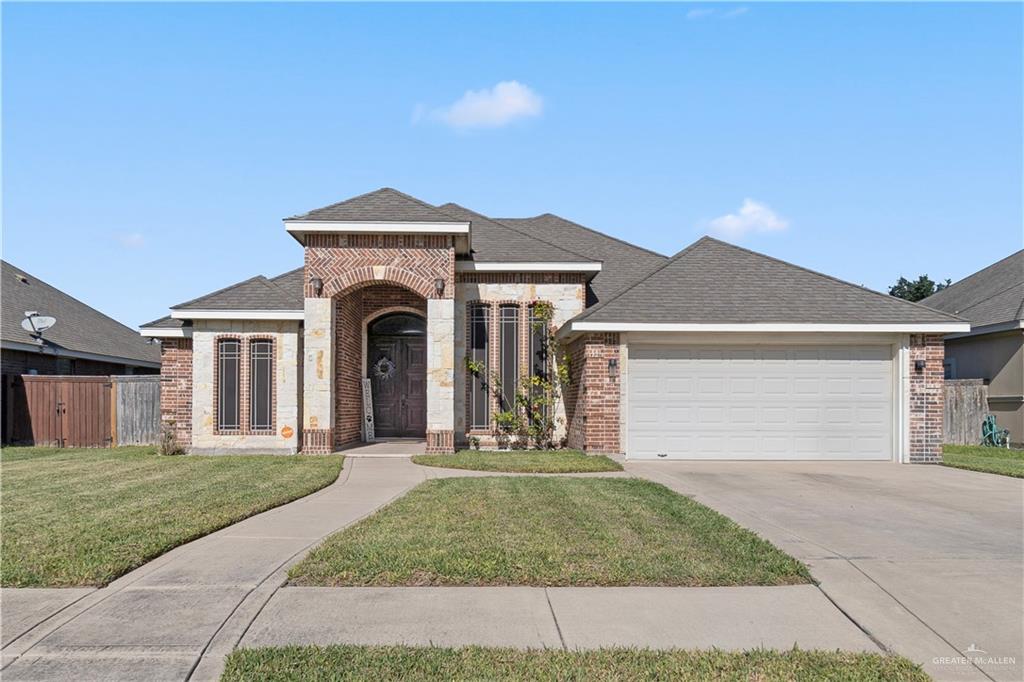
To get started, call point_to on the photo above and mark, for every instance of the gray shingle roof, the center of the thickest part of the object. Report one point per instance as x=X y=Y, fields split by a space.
x=989 y=296
x=711 y=281
x=166 y=322
x=494 y=242
x=79 y=327
x=382 y=205
x=284 y=292
x=623 y=263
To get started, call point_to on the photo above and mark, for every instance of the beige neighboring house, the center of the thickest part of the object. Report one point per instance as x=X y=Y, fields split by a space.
x=993 y=301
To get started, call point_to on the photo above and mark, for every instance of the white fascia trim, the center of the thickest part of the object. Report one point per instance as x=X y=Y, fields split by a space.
x=771 y=327
x=237 y=314
x=76 y=354
x=303 y=226
x=166 y=333
x=990 y=329
x=554 y=266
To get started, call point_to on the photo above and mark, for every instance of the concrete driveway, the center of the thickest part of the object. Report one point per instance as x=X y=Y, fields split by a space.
x=927 y=560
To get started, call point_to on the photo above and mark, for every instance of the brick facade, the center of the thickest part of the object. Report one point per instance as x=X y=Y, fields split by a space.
x=927 y=397
x=176 y=387
x=593 y=397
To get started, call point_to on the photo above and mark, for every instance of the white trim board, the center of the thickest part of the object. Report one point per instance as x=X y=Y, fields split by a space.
x=375 y=227
x=166 y=332
x=989 y=329
x=536 y=266
x=75 y=354
x=237 y=314
x=770 y=327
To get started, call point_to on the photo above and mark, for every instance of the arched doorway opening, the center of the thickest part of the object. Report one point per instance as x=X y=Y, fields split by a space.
x=396 y=364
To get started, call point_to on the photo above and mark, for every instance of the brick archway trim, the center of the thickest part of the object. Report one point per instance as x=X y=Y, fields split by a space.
x=356 y=278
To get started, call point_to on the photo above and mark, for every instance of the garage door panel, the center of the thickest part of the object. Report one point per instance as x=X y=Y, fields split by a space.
x=805 y=402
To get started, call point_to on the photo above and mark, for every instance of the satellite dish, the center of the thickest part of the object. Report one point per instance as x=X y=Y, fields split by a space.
x=35 y=323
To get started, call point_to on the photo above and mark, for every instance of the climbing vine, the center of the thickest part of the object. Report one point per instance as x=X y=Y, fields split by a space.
x=530 y=420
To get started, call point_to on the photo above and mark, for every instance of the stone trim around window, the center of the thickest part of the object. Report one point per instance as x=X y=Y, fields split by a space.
x=243 y=385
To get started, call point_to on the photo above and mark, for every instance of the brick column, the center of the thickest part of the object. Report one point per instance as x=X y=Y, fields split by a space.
x=440 y=375
x=926 y=399
x=318 y=377
x=176 y=387
x=592 y=401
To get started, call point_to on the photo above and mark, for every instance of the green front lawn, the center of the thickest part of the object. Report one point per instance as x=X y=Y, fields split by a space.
x=534 y=530
x=346 y=662
x=86 y=516
x=990 y=460
x=522 y=461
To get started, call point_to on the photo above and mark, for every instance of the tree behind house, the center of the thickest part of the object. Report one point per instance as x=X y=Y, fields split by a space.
x=921 y=288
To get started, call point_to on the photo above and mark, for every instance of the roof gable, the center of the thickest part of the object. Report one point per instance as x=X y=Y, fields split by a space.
x=990 y=296
x=79 y=327
x=382 y=205
x=623 y=263
x=494 y=242
x=711 y=281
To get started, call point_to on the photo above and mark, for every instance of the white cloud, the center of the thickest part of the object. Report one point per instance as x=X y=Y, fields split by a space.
x=131 y=240
x=699 y=13
x=752 y=216
x=735 y=12
x=506 y=102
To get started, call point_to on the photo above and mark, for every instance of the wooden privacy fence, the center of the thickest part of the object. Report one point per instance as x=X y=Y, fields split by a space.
x=966 y=406
x=81 y=411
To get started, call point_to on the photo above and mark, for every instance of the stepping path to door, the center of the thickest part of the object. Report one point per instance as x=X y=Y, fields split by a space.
x=179 y=616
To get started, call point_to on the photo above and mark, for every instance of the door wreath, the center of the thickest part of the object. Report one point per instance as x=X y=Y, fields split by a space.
x=384 y=368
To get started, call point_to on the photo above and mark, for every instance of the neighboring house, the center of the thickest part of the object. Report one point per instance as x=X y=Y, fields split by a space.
x=717 y=352
x=992 y=300
x=83 y=340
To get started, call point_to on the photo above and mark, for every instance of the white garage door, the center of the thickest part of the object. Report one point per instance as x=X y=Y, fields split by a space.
x=762 y=402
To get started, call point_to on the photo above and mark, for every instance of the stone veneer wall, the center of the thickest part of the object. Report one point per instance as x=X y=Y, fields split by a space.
x=285 y=437
x=593 y=400
x=565 y=291
x=927 y=398
x=176 y=387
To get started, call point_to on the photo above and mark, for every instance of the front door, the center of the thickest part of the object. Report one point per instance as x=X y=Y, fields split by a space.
x=397 y=367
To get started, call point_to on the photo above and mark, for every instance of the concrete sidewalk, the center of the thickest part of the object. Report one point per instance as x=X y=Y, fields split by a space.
x=558 y=617
x=178 y=616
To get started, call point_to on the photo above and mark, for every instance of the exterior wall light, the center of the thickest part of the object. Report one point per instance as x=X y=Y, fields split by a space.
x=317 y=284
x=439 y=287
x=919 y=365
x=613 y=366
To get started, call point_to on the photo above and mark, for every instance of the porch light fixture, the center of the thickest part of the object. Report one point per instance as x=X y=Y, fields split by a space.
x=919 y=365
x=439 y=287
x=613 y=366
x=317 y=284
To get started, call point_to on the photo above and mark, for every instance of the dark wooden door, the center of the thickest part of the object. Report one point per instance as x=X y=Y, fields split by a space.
x=59 y=411
x=399 y=392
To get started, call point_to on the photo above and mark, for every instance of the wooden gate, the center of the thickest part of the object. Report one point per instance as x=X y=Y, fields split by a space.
x=966 y=406
x=137 y=409
x=59 y=411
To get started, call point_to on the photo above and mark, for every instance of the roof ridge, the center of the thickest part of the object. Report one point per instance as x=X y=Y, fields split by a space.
x=285 y=274
x=67 y=295
x=366 y=194
x=219 y=291
x=597 y=232
x=518 y=231
x=993 y=295
x=829 y=277
x=668 y=261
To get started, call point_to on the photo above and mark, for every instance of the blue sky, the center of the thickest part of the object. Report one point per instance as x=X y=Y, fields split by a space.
x=150 y=151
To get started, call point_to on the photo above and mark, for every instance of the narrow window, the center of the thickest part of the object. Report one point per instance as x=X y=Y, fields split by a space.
x=539 y=361
x=509 y=321
x=229 y=355
x=261 y=372
x=479 y=323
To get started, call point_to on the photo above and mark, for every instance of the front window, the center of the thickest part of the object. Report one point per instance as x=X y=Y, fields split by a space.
x=261 y=373
x=539 y=361
x=509 y=347
x=229 y=356
x=479 y=329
